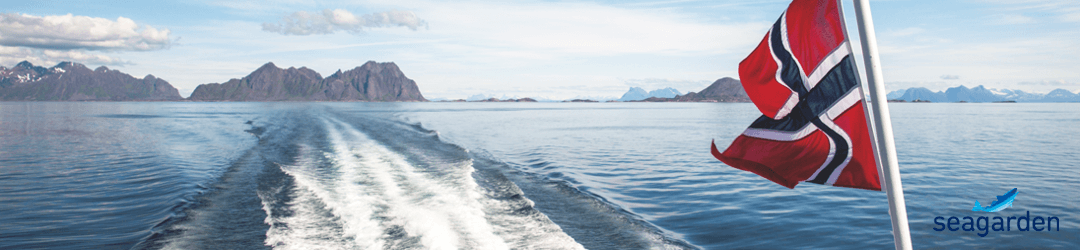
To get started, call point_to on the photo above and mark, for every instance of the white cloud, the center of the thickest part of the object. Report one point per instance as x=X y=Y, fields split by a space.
x=48 y=40
x=586 y=28
x=70 y=32
x=78 y=56
x=13 y=55
x=329 y=21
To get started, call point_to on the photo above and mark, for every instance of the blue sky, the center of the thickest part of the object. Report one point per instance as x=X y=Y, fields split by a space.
x=546 y=49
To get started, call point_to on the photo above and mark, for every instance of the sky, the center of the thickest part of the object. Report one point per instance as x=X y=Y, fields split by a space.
x=540 y=49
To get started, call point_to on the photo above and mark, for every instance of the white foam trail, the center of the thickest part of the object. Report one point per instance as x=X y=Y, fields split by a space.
x=363 y=195
x=440 y=208
x=534 y=231
x=307 y=227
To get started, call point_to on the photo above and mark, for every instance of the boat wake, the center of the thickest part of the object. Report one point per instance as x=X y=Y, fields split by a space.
x=328 y=180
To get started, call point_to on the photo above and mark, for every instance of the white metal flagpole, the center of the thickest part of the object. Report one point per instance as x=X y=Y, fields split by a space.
x=883 y=126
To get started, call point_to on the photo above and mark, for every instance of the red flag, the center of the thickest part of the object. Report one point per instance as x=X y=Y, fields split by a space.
x=803 y=80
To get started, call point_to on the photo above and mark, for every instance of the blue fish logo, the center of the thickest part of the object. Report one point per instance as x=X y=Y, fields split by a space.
x=1001 y=203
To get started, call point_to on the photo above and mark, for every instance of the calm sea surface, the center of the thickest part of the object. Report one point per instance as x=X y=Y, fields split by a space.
x=502 y=176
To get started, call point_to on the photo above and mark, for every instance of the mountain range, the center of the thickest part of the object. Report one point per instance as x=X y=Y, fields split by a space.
x=638 y=94
x=725 y=89
x=69 y=81
x=981 y=94
x=373 y=82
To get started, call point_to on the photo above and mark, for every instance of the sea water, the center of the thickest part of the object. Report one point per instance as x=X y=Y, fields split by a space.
x=164 y=175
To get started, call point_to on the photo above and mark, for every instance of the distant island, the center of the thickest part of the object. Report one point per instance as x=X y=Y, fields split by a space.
x=638 y=94
x=69 y=81
x=378 y=82
x=980 y=94
x=372 y=82
x=493 y=99
x=725 y=89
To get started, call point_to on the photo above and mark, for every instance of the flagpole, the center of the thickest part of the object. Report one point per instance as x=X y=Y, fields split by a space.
x=883 y=126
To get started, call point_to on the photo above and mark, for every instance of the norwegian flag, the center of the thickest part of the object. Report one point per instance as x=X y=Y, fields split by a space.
x=813 y=128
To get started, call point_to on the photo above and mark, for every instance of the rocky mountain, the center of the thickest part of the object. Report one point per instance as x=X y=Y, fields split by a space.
x=634 y=94
x=1061 y=95
x=374 y=82
x=637 y=94
x=923 y=94
x=977 y=94
x=665 y=93
x=1018 y=95
x=982 y=94
x=69 y=81
x=725 y=89
x=895 y=95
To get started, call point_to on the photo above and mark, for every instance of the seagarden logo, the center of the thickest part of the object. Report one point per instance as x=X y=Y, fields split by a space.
x=1002 y=202
x=1026 y=222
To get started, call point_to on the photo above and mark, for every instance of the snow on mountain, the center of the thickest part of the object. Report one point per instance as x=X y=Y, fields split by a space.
x=997 y=92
